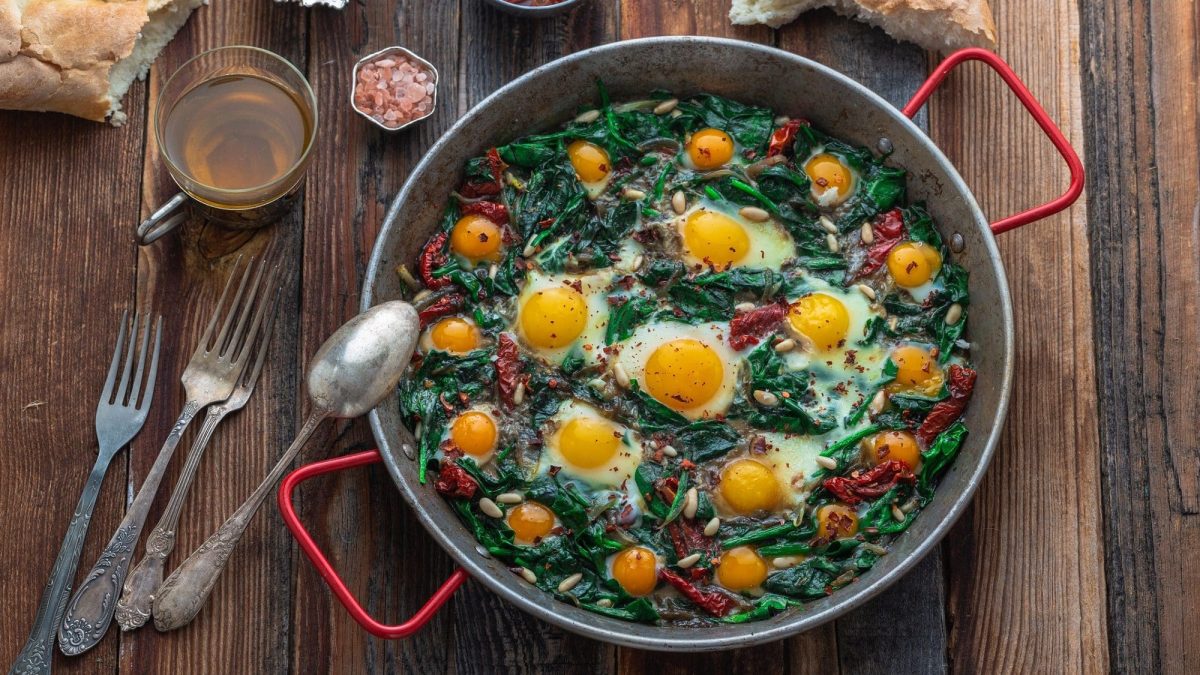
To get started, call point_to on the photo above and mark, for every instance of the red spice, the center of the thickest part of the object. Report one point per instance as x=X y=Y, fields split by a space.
x=432 y=257
x=508 y=368
x=747 y=327
x=783 y=137
x=889 y=230
x=394 y=90
x=961 y=382
x=870 y=484
x=713 y=602
x=447 y=304
x=453 y=480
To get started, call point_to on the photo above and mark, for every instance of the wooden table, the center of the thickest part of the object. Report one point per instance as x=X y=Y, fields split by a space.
x=1074 y=558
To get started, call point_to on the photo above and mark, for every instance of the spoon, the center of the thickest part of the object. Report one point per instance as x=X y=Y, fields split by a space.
x=350 y=374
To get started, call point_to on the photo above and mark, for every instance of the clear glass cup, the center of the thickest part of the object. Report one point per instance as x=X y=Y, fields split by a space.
x=245 y=207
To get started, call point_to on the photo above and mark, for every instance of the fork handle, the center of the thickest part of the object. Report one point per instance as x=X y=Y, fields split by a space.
x=133 y=608
x=91 y=610
x=183 y=594
x=35 y=657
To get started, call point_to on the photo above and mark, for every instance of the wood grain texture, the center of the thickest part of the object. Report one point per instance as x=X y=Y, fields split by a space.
x=1026 y=567
x=1140 y=62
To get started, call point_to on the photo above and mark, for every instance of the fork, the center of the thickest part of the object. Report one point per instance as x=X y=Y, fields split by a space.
x=118 y=420
x=210 y=376
x=133 y=608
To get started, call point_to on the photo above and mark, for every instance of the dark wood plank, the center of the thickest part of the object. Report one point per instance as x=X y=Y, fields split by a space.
x=1140 y=64
x=66 y=274
x=183 y=275
x=1024 y=593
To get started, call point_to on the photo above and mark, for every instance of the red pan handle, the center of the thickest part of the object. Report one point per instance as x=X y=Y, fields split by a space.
x=1035 y=109
x=326 y=570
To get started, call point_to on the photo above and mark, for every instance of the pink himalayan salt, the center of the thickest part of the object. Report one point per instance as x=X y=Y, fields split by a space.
x=394 y=91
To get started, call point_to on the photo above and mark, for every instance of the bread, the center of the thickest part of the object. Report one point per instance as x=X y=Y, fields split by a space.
x=80 y=56
x=938 y=25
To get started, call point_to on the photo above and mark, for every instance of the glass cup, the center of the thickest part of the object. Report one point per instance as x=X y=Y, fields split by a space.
x=198 y=84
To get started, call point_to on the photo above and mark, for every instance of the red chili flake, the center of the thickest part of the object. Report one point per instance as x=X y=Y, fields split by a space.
x=687 y=465
x=495 y=164
x=889 y=230
x=447 y=304
x=870 y=484
x=747 y=327
x=713 y=602
x=666 y=488
x=783 y=137
x=432 y=257
x=453 y=480
x=508 y=368
x=961 y=383
x=545 y=223
x=497 y=213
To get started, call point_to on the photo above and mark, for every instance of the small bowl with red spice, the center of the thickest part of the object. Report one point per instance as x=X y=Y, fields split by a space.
x=394 y=88
x=534 y=8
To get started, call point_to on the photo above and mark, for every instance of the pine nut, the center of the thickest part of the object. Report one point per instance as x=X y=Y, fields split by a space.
x=570 y=582
x=527 y=574
x=688 y=561
x=621 y=376
x=519 y=393
x=670 y=451
x=828 y=225
x=510 y=498
x=529 y=250
x=492 y=271
x=786 y=561
x=832 y=242
x=744 y=307
x=712 y=527
x=867 y=291
x=868 y=233
x=755 y=214
x=489 y=508
x=877 y=403
x=766 y=398
x=898 y=514
x=954 y=314
x=827 y=462
x=786 y=345
x=637 y=261
x=632 y=194
x=782 y=120
x=690 y=503
x=588 y=117
x=424 y=293
x=679 y=202
x=666 y=106
x=604 y=602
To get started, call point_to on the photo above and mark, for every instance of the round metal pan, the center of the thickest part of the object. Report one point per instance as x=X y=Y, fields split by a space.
x=791 y=85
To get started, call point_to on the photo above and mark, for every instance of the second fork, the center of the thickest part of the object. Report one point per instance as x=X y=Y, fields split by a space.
x=210 y=376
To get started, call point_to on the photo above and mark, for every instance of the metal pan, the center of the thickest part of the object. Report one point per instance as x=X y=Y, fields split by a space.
x=755 y=74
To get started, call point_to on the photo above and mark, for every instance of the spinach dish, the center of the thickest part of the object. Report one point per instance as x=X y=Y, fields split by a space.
x=685 y=361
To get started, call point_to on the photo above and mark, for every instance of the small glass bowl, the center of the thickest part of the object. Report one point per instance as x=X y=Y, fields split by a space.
x=535 y=12
x=384 y=53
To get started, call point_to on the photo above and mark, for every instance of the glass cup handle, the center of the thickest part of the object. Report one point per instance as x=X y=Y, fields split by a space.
x=162 y=221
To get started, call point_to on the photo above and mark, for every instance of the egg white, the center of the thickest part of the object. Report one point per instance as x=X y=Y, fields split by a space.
x=590 y=342
x=634 y=352
x=612 y=475
x=829 y=197
x=770 y=244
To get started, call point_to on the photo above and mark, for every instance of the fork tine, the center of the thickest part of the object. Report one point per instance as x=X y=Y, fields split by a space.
x=111 y=380
x=149 y=395
x=235 y=343
x=141 y=367
x=248 y=380
x=128 y=369
x=232 y=310
x=212 y=323
x=265 y=302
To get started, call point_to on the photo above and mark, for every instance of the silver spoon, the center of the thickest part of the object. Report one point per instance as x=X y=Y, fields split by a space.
x=350 y=374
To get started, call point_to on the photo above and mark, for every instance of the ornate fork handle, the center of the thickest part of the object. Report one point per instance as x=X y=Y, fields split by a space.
x=35 y=657
x=133 y=608
x=91 y=610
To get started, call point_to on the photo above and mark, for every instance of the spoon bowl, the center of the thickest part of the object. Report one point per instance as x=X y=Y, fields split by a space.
x=362 y=361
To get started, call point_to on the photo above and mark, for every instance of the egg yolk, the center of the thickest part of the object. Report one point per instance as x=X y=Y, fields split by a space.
x=710 y=148
x=827 y=172
x=684 y=374
x=896 y=445
x=474 y=433
x=455 y=335
x=741 y=568
x=553 y=317
x=475 y=238
x=636 y=569
x=916 y=371
x=913 y=263
x=749 y=486
x=821 y=318
x=589 y=160
x=587 y=442
x=530 y=521
x=715 y=238
x=836 y=521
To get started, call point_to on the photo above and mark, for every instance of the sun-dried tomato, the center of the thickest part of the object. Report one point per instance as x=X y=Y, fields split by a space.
x=447 y=304
x=889 y=230
x=508 y=368
x=713 y=602
x=493 y=211
x=871 y=484
x=961 y=382
x=453 y=480
x=747 y=327
x=432 y=257
x=481 y=188
x=784 y=136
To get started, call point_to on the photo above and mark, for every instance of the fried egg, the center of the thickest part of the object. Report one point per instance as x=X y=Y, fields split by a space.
x=709 y=149
x=690 y=369
x=829 y=321
x=476 y=239
x=592 y=166
x=589 y=446
x=557 y=313
x=476 y=432
x=723 y=238
x=914 y=266
x=453 y=334
x=833 y=180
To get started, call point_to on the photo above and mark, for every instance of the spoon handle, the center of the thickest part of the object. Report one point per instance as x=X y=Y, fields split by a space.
x=183 y=594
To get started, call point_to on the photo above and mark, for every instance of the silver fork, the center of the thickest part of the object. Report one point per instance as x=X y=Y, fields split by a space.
x=133 y=608
x=118 y=420
x=210 y=377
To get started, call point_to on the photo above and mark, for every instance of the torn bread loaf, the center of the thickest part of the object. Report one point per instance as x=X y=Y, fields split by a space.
x=80 y=56
x=939 y=25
